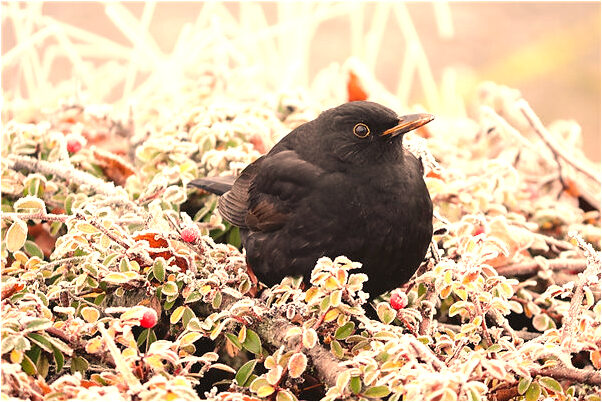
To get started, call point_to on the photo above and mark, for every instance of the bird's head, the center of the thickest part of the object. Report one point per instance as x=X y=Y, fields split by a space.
x=365 y=132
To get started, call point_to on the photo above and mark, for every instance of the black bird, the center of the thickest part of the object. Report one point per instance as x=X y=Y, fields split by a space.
x=341 y=184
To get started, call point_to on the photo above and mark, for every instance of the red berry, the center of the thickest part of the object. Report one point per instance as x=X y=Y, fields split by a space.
x=189 y=235
x=149 y=319
x=398 y=300
x=73 y=146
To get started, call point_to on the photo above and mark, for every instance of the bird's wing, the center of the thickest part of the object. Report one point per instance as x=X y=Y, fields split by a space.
x=266 y=192
x=233 y=204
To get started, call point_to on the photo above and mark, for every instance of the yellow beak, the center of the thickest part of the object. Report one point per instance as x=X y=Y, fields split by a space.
x=408 y=123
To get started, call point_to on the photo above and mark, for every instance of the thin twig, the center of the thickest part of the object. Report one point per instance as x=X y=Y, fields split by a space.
x=525 y=335
x=545 y=135
x=531 y=267
x=43 y=216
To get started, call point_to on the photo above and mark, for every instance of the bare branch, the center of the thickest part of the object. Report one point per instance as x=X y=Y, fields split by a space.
x=591 y=377
x=531 y=267
x=545 y=135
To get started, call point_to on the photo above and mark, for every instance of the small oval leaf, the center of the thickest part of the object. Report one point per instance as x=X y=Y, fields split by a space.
x=345 y=330
x=16 y=235
x=244 y=373
x=297 y=365
x=252 y=342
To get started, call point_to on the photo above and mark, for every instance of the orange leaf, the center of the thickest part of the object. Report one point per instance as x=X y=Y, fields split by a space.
x=115 y=168
x=355 y=92
x=571 y=188
x=156 y=241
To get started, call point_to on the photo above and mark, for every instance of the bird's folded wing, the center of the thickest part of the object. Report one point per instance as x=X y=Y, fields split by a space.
x=266 y=192
x=233 y=204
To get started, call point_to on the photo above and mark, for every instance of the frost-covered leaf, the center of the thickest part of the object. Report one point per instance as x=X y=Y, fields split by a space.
x=252 y=342
x=29 y=204
x=90 y=314
x=385 y=313
x=297 y=364
x=169 y=289
x=533 y=392
x=244 y=373
x=16 y=235
x=551 y=384
x=344 y=331
x=379 y=391
x=310 y=338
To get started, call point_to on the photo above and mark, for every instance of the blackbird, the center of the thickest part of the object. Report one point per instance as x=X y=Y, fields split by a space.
x=341 y=184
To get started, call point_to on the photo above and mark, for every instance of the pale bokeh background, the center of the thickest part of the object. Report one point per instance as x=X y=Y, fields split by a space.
x=549 y=51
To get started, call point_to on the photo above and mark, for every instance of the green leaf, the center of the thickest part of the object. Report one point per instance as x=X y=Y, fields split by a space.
x=234 y=237
x=142 y=337
x=34 y=353
x=8 y=343
x=109 y=259
x=551 y=384
x=152 y=337
x=252 y=342
x=324 y=304
x=60 y=345
x=244 y=373
x=33 y=250
x=59 y=359
x=217 y=300
x=69 y=203
x=496 y=347
x=159 y=269
x=380 y=391
x=176 y=315
x=38 y=324
x=28 y=366
x=234 y=339
x=42 y=365
x=42 y=341
x=336 y=349
x=344 y=330
x=285 y=395
x=169 y=288
x=187 y=316
x=523 y=385
x=80 y=364
x=457 y=307
x=265 y=390
x=533 y=392
x=192 y=297
x=385 y=313
x=356 y=385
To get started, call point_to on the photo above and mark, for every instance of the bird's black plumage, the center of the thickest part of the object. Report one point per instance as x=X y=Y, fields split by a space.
x=341 y=184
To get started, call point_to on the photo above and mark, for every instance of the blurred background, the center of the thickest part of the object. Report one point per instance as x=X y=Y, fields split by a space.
x=116 y=52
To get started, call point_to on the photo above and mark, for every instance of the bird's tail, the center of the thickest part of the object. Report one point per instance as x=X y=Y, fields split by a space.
x=216 y=185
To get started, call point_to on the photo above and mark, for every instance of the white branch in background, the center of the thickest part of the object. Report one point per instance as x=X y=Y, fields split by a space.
x=66 y=172
x=552 y=142
x=280 y=49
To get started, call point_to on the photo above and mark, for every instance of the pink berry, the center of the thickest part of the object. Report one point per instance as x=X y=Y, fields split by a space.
x=398 y=300
x=149 y=319
x=73 y=146
x=189 y=235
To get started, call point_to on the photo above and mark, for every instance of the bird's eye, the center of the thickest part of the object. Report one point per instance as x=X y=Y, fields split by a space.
x=361 y=130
